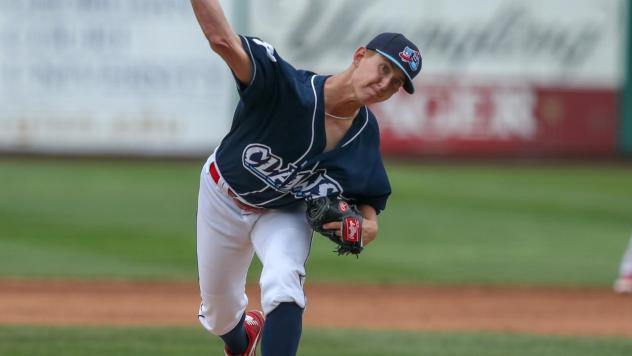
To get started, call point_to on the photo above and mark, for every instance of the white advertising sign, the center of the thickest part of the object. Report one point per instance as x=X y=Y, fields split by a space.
x=109 y=76
x=546 y=42
x=137 y=76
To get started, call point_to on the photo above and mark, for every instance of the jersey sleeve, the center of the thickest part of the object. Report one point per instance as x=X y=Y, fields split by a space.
x=378 y=188
x=265 y=65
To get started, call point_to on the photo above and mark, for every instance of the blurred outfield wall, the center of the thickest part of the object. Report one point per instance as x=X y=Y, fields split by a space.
x=499 y=78
x=109 y=76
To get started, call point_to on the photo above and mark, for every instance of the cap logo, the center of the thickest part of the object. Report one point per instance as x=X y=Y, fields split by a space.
x=410 y=56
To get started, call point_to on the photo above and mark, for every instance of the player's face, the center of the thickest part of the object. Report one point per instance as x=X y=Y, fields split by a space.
x=375 y=79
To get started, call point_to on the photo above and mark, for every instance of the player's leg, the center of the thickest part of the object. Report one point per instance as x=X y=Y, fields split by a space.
x=282 y=240
x=224 y=253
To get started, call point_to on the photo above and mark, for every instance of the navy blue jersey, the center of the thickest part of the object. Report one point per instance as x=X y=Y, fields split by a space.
x=273 y=155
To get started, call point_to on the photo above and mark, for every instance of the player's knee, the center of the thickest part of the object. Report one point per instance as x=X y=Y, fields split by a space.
x=219 y=314
x=281 y=283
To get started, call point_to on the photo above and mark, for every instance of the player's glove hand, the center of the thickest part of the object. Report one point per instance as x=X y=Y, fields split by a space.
x=324 y=210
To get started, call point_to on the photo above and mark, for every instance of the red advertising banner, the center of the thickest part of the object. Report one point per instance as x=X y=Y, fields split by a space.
x=466 y=120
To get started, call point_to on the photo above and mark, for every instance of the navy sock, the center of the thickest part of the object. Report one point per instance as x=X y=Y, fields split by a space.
x=236 y=340
x=282 y=330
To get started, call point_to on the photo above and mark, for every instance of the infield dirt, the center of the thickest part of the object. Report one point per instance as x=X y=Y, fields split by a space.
x=557 y=311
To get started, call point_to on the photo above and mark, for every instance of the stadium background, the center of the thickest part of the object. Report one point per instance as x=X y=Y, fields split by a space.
x=510 y=167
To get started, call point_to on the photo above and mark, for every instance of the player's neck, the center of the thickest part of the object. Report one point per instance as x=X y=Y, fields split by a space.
x=340 y=102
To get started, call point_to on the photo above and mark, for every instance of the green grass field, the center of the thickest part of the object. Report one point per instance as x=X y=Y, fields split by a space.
x=445 y=223
x=45 y=341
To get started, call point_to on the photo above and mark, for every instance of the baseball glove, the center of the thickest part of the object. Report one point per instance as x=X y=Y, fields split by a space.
x=324 y=210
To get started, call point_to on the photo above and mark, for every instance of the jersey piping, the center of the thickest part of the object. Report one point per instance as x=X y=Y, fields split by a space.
x=311 y=143
x=366 y=121
x=252 y=60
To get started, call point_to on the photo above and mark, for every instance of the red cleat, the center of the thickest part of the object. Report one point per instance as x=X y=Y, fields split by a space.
x=254 y=326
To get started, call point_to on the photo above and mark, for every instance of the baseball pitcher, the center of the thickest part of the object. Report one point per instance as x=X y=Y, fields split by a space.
x=302 y=155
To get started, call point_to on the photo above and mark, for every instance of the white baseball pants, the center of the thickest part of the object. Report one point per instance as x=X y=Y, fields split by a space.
x=228 y=238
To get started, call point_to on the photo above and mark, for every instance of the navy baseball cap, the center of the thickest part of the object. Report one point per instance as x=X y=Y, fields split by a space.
x=401 y=52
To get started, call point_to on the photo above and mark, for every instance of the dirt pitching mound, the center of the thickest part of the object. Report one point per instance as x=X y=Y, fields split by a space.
x=596 y=312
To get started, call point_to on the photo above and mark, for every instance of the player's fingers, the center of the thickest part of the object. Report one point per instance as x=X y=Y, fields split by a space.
x=335 y=225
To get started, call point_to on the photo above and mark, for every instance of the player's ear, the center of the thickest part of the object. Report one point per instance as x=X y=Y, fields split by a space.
x=358 y=55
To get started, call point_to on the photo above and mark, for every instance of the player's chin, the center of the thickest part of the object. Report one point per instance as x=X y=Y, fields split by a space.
x=373 y=98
